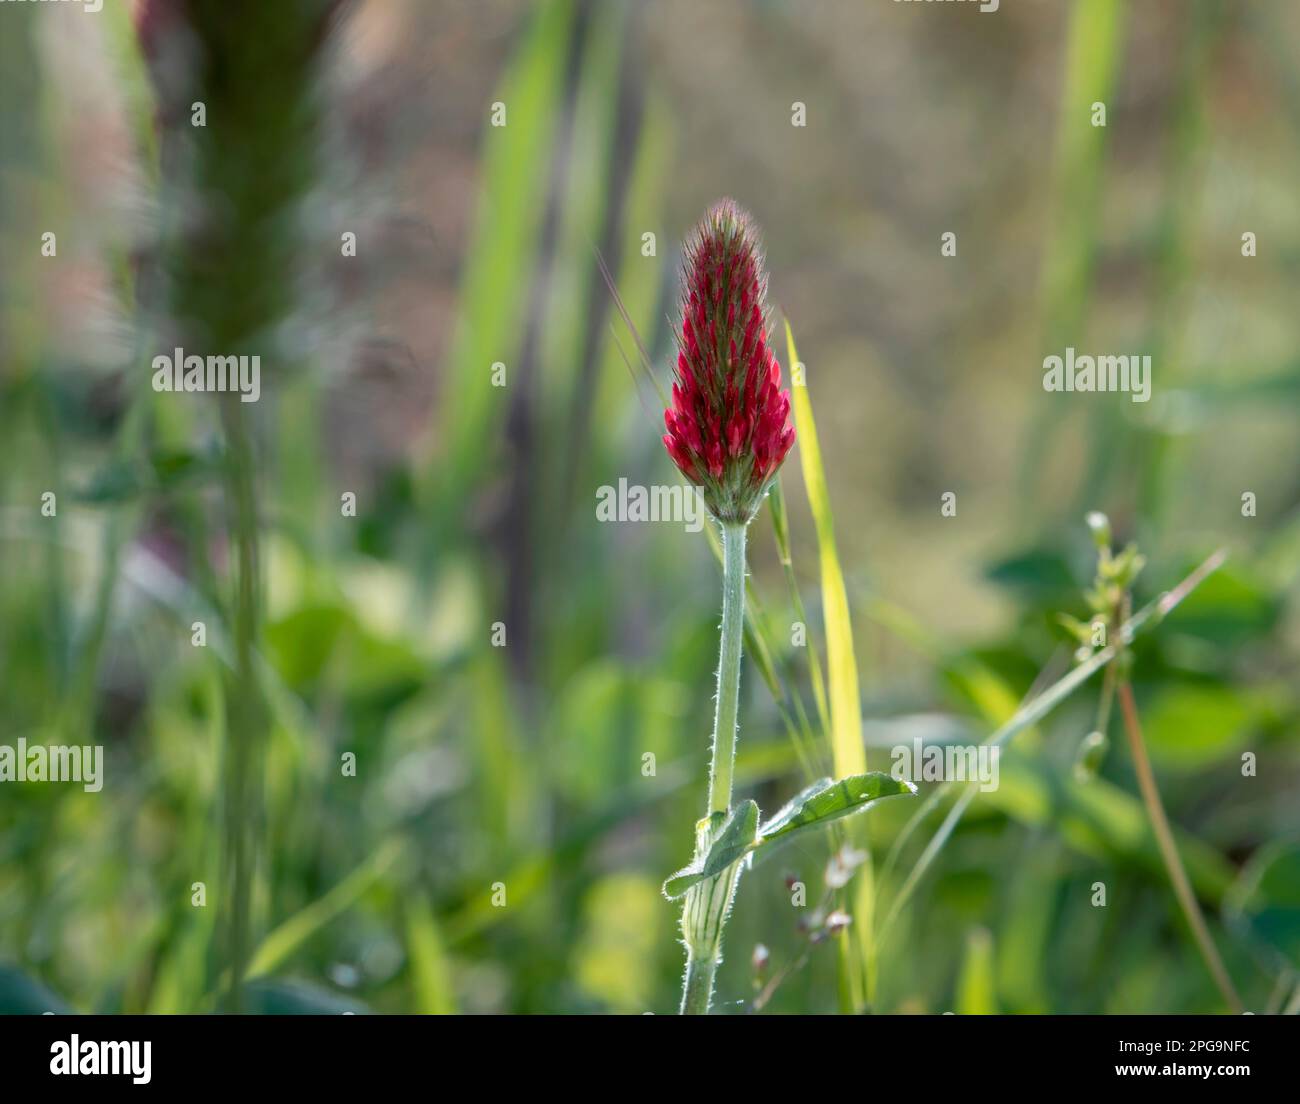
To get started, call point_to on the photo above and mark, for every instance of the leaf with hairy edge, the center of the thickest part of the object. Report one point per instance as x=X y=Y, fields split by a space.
x=787 y=811
x=730 y=844
x=825 y=802
x=679 y=883
x=813 y=808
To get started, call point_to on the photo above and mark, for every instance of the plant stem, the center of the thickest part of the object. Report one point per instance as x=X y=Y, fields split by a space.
x=704 y=912
x=697 y=986
x=728 y=700
x=1169 y=850
x=243 y=709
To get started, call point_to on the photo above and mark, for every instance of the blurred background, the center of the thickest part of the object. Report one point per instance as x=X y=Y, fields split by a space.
x=445 y=698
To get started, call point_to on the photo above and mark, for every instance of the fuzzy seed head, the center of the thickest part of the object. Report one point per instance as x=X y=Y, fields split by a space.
x=727 y=424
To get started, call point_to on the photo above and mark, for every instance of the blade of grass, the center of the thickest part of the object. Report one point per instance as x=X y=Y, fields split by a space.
x=292 y=933
x=848 y=755
x=430 y=972
x=507 y=228
x=1093 y=48
x=976 y=990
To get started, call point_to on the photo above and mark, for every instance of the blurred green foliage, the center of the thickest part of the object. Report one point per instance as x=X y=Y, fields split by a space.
x=520 y=770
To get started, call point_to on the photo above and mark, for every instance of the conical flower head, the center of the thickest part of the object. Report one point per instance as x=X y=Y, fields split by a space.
x=727 y=428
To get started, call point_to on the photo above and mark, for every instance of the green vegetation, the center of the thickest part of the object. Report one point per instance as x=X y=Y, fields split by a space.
x=440 y=756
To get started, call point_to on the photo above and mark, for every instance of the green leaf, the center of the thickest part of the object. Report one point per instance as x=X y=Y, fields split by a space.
x=1190 y=726
x=731 y=843
x=848 y=755
x=737 y=837
x=1040 y=575
x=1264 y=904
x=787 y=811
x=824 y=802
x=679 y=883
x=1230 y=608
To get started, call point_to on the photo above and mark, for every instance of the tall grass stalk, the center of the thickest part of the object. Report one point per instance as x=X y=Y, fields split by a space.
x=1169 y=849
x=233 y=277
x=245 y=717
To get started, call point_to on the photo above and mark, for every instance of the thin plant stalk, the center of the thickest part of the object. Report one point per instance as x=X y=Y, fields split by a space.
x=244 y=715
x=1169 y=850
x=714 y=896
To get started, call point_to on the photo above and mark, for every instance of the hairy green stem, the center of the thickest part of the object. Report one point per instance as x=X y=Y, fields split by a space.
x=1169 y=849
x=733 y=632
x=697 y=986
x=704 y=912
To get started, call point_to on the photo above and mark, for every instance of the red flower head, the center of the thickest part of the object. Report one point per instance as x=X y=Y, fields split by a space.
x=727 y=427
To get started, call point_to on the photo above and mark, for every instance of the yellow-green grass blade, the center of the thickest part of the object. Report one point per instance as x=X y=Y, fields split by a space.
x=430 y=971
x=976 y=991
x=847 y=753
x=1093 y=50
x=848 y=756
x=284 y=940
x=500 y=269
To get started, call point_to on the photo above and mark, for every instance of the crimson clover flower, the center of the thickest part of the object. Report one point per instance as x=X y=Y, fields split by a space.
x=727 y=430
